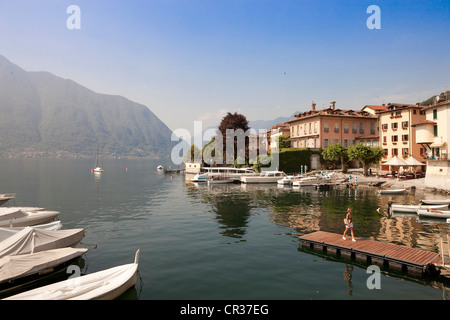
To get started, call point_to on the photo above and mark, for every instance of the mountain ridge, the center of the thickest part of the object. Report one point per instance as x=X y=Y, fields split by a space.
x=43 y=114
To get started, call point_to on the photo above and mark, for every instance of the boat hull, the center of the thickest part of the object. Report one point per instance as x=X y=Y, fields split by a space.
x=393 y=191
x=414 y=208
x=33 y=218
x=436 y=201
x=434 y=213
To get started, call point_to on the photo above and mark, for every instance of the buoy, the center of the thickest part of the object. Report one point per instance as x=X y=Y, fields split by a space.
x=126 y=169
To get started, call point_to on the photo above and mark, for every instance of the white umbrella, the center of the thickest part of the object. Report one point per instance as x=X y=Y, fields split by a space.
x=395 y=162
x=413 y=162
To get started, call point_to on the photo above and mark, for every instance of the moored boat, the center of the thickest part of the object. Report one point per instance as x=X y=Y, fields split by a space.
x=435 y=201
x=17 y=217
x=102 y=285
x=305 y=181
x=431 y=213
x=31 y=240
x=4 y=197
x=414 y=208
x=18 y=270
x=234 y=174
x=391 y=191
x=264 y=177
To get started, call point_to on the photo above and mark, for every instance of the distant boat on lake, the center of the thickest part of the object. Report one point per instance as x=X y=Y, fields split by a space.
x=97 y=167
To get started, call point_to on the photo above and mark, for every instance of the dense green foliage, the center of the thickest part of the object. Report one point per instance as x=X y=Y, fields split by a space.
x=291 y=159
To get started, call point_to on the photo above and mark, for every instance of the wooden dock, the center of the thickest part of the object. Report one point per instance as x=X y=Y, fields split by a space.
x=401 y=258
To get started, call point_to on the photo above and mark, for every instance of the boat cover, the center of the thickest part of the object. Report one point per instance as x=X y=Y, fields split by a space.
x=18 y=266
x=31 y=240
x=87 y=287
x=8 y=232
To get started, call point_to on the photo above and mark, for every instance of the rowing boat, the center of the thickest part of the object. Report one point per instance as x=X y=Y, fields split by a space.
x=431 y=213
x=414 y=208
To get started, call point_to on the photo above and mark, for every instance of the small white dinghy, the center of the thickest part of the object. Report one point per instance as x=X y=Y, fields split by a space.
x=391 y=191
x=102 y=285
x=414 y=208
x=435 y=201
x=431 y=213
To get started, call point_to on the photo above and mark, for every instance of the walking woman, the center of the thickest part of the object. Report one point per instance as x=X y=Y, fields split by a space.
x=349 y=224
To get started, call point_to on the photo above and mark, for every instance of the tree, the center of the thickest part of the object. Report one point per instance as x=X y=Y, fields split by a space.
x=284 y=142
x=366 y=155
x=193 y=154
x=235 y=122
x=336 y=151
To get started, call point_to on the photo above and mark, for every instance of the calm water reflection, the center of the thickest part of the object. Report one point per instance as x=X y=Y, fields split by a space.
x=220 y=242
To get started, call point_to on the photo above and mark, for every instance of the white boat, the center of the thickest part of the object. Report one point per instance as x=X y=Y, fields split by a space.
x=431 y=213
x=17 y=270
x=414 y=208
x=160 y=167
x=4 y=197
x=287 y=180
x=435 y=201
x=54 y=225
x=102 y=285
x=18 y=217
x=97 y=168
x=29 y=240
x=306 y=181
x=264 y=177
x=232 y=173
x=391 y=191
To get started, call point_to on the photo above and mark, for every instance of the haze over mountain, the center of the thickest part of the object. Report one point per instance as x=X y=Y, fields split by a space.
x=40 y=112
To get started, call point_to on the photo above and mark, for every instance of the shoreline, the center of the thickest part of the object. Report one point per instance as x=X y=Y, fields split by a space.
x=394 y=183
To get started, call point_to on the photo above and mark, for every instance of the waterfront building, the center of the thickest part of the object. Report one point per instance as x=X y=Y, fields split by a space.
x=397 y=132
x=317 y=129
x=276 y=132
x=433 y=135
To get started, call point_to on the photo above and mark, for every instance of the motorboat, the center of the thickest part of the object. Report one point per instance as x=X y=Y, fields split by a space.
x=234 y=174
x=391 y=191
x=18 y=270
x=264 y=177
x=435 y=201
x=29 y=240
x=414 y=208
x=287 y=180
x=432 y=213
x=305 y=181
x=160 y=167
x=102 y=285
x=23 y=216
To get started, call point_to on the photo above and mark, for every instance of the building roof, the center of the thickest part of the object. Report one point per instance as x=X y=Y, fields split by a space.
x=332 y=113
x=376 y=108
x=423 y=122
x=398 y=106
x=440 y=104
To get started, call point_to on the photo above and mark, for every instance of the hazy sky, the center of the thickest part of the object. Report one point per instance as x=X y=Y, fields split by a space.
x=196 y=60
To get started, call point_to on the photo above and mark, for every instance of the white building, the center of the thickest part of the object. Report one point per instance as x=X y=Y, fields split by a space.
x=434 y=135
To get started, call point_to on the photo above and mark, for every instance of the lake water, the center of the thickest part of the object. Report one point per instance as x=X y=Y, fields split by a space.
x=222 y=242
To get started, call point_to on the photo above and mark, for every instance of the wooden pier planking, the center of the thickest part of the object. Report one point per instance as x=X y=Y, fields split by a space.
x=414 y=261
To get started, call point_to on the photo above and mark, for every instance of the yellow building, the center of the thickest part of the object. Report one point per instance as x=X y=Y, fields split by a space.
x=397 y=132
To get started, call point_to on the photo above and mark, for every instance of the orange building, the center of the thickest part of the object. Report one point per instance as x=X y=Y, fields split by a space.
x=318 y=128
